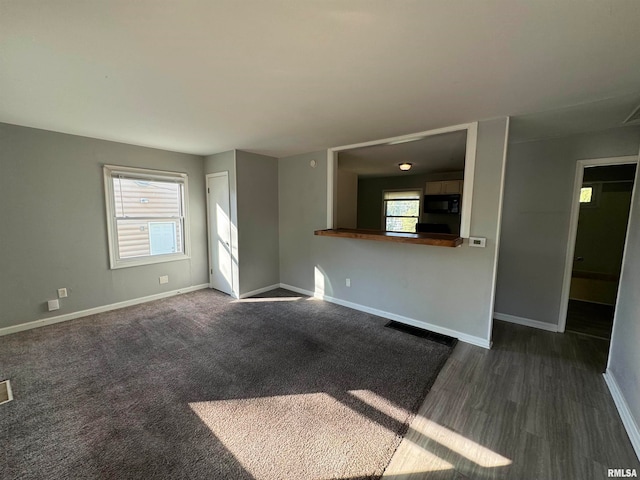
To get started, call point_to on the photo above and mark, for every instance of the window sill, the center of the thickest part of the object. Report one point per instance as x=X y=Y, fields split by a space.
x=435 y=239
x=149 y=260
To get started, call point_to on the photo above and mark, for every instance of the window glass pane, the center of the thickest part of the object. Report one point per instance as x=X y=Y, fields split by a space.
x=586 y=194
x=401 y=224
x=162 y=238
x=403 y=208
x=141 y=238
x=146 y=198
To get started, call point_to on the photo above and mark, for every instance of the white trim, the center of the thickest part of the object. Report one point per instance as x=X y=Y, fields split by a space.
x=469 y=168
x=573 y=225
x=259 y=290
x=115 y=262
x=410 y=136
x=467 y=186
x=332 y=173
x=591 y=301
x=628 y=421
x=299 y=290
x=496 y=253
x=9 y=391
x=478 y=341
x=92 y=311
x=527 y=322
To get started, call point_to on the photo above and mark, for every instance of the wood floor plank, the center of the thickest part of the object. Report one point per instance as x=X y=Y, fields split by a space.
x=533 y=407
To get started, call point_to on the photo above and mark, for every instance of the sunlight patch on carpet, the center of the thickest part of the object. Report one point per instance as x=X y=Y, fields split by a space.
x=299 y=436
x=376 y=401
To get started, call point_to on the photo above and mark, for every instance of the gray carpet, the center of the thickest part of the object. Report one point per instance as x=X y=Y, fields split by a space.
x=200 y=386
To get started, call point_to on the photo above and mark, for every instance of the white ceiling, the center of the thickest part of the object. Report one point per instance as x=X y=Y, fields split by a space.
x=286 y=77
x=435 y=154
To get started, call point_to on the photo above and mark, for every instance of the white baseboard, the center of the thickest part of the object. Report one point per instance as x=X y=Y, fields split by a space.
x=527 y=322
x=591 y=301
x=259 y=290
x=480 y=342
x=301 y=291
x=92 y=311
x=623 y=409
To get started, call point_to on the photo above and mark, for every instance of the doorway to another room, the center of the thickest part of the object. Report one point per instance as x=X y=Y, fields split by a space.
x=219 y=225
x=600 y=228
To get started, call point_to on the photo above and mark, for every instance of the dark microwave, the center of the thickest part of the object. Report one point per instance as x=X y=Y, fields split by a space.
x=442 y=203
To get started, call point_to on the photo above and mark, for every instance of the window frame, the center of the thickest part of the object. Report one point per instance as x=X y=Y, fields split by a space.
x=384 y=206
x=109 y=171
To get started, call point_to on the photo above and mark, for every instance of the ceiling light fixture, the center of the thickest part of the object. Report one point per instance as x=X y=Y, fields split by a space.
x=405 y=166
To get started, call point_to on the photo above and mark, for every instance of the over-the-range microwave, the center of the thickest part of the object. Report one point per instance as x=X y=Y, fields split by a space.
x=441 y=203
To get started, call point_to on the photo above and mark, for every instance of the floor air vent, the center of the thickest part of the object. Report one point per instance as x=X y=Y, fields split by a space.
x=420 y=332
x=5 y=392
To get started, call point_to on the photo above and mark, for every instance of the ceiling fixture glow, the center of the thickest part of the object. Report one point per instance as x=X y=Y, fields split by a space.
x=405 y=166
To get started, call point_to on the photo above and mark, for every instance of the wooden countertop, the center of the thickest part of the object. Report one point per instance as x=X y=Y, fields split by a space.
x=436 y=239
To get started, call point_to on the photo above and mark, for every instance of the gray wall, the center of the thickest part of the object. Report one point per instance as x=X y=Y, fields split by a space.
x=624 y=354
x=602 y=229
x=535 y=222
x=347 y=199
x=54 y=231
x=257 y=178
x=226 y=162
x=448 y=287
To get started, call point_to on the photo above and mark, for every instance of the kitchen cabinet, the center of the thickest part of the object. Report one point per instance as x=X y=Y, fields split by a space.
x=445 y=187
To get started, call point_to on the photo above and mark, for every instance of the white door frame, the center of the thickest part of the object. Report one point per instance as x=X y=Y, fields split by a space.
x=209 y=245
x=573 y=225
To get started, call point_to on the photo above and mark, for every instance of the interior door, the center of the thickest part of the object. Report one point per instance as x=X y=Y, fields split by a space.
x=220 y=254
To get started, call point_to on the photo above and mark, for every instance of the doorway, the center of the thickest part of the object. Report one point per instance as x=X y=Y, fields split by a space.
x=600 y=215
x=219 y=226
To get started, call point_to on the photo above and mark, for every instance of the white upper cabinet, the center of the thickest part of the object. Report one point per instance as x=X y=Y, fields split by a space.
x=444 y=188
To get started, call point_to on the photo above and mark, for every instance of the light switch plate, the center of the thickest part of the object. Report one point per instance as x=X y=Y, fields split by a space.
x=62 y=293
x=480 y=242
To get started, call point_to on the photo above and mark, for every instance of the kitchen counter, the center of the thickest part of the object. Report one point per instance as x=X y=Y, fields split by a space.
x=435 y=239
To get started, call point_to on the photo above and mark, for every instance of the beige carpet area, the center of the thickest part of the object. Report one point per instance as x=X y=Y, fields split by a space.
x=200 y=386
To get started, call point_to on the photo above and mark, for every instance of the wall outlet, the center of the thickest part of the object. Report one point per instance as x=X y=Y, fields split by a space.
x=53 y=305
x=348 y=282
x=164 y=279
x=477 y=242
x=62 y=293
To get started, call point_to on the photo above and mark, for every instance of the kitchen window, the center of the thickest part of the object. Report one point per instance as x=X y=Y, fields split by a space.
x=401 y=210
x=146 y=216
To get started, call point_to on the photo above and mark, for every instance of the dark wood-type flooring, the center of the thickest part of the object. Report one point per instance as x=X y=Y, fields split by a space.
x=534 y=407
x=590 y=318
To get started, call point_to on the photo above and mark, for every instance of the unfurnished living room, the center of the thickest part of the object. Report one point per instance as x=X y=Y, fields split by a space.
x=350 y=239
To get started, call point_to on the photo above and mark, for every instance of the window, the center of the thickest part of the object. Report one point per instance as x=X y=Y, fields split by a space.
x=401 y=210
x=589 y=195
x=586 y=194
x=146 y=216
